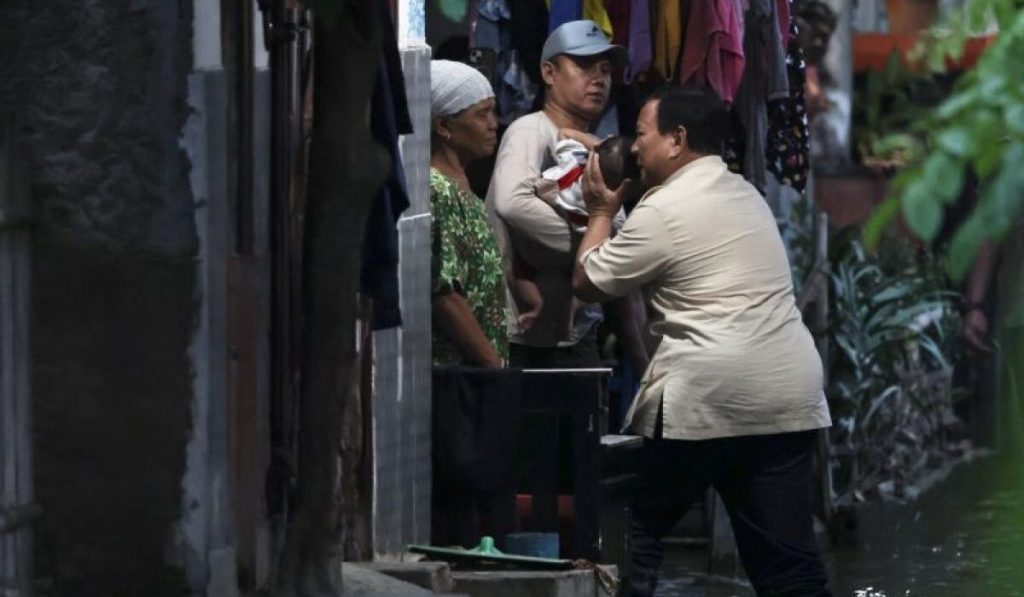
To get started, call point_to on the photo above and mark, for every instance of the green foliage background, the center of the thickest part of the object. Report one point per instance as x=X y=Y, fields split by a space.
x=980 y=127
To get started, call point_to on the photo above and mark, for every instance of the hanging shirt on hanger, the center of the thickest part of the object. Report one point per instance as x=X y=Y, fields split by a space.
x=639 y=39
x=713 y=54
x=668 y=37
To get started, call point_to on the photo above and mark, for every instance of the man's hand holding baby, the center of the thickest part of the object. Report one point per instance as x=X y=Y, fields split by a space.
x=601 y=201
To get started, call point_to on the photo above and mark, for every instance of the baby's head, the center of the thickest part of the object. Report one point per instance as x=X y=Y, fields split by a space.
x=617 y=161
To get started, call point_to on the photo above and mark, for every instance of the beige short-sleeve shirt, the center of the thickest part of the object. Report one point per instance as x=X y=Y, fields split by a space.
x=735 y=357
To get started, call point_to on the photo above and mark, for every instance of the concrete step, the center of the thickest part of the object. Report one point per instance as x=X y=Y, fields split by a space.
x=357 y=581
x=434 y=576
x=568 y=583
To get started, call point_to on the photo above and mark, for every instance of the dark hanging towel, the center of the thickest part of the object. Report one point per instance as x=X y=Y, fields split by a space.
x=788 y=151
x=529 y=30
x=618 y=14
x=764 y=79
x=389 y=118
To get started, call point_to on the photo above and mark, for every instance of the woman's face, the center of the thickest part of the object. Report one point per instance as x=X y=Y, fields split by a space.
x=473 y=132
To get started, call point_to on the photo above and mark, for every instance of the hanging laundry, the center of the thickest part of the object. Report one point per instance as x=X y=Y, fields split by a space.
x=389 y=118
x=783 y=12
x=563 y=11
x=487 y=34
x=618 y=14
x=594 y=10
x=713 y=54
x=764 y=79
x=494 y=10
x=668 y=37
x=788 y=151
x=640 y=46
x=515 y=91
x=529 y=30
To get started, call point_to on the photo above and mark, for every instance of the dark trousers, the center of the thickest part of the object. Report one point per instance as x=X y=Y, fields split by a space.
x=544 y=446
x=582 y=355
x=765 y=483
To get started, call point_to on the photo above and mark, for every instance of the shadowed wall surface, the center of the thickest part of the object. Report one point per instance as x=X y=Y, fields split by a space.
x=99 y=89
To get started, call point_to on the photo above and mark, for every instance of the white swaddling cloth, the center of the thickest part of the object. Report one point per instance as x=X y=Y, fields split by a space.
x=571 y=157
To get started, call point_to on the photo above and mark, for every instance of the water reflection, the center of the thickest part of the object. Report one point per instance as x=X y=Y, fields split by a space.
x=963 y=538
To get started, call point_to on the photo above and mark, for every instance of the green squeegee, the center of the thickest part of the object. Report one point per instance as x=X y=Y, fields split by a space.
x=486 y=552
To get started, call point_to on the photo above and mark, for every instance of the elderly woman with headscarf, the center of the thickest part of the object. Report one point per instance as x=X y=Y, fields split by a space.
x=467 y=288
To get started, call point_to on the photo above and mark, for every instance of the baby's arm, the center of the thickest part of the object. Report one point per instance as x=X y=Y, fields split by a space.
x=527 y=293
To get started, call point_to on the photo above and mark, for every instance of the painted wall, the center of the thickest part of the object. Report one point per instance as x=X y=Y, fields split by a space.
x=100 y=89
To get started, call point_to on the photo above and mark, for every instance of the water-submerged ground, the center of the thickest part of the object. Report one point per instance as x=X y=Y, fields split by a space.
x=964 y=537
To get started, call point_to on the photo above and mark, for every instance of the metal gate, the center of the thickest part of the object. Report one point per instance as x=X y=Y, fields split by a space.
x=16 y=509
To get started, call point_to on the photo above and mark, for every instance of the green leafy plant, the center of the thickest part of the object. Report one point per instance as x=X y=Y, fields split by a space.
x=979 y=127
x=886 y=103
x=891 y=325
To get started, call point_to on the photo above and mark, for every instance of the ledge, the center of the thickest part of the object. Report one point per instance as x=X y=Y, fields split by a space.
x=871 y=51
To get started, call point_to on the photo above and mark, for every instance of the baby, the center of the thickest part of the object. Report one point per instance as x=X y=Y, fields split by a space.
x=617 y=164
x=565 y=194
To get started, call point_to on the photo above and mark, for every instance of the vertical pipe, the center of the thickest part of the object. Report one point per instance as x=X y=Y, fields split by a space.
x=280 y=185
x=839 y=62
x=285 y=42
x=245 y=209
x=16 y=477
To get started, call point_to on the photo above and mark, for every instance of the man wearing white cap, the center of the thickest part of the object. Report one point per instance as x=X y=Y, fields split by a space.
x=577 y=62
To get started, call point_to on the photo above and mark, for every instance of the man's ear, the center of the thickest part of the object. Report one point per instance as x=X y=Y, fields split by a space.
x=547 y=72
x=680 y=144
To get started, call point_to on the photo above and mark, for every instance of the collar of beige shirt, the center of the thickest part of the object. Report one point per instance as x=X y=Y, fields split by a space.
x=707 y=160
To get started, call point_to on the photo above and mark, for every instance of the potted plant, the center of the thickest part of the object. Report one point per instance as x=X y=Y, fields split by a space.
x=886 y=103
x=911 y=16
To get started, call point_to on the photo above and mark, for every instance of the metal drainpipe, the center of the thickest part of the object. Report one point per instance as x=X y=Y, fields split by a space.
x=284 y=35
x=245 y=214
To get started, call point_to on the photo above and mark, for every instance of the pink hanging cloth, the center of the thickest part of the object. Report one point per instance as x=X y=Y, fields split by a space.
x=713 y=51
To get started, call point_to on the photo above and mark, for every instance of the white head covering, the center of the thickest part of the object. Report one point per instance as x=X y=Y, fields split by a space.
x=455 y=86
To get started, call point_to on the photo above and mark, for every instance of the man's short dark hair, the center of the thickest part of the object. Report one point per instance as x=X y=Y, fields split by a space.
x=697 y=109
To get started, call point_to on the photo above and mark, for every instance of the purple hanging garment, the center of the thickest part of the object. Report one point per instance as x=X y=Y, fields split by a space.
x=640 y=48
x=563 y=11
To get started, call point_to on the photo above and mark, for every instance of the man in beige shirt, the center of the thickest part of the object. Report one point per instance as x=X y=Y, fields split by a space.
x=733 y=396
x=577 y=62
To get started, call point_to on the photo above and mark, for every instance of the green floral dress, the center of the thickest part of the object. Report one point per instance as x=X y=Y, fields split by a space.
x=465 y=259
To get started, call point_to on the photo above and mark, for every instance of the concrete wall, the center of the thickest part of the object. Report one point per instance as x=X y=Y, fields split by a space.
x=402 y=359
x=100 y=88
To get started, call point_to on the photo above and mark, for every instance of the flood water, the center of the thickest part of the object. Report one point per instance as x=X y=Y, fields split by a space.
x=964 y=537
